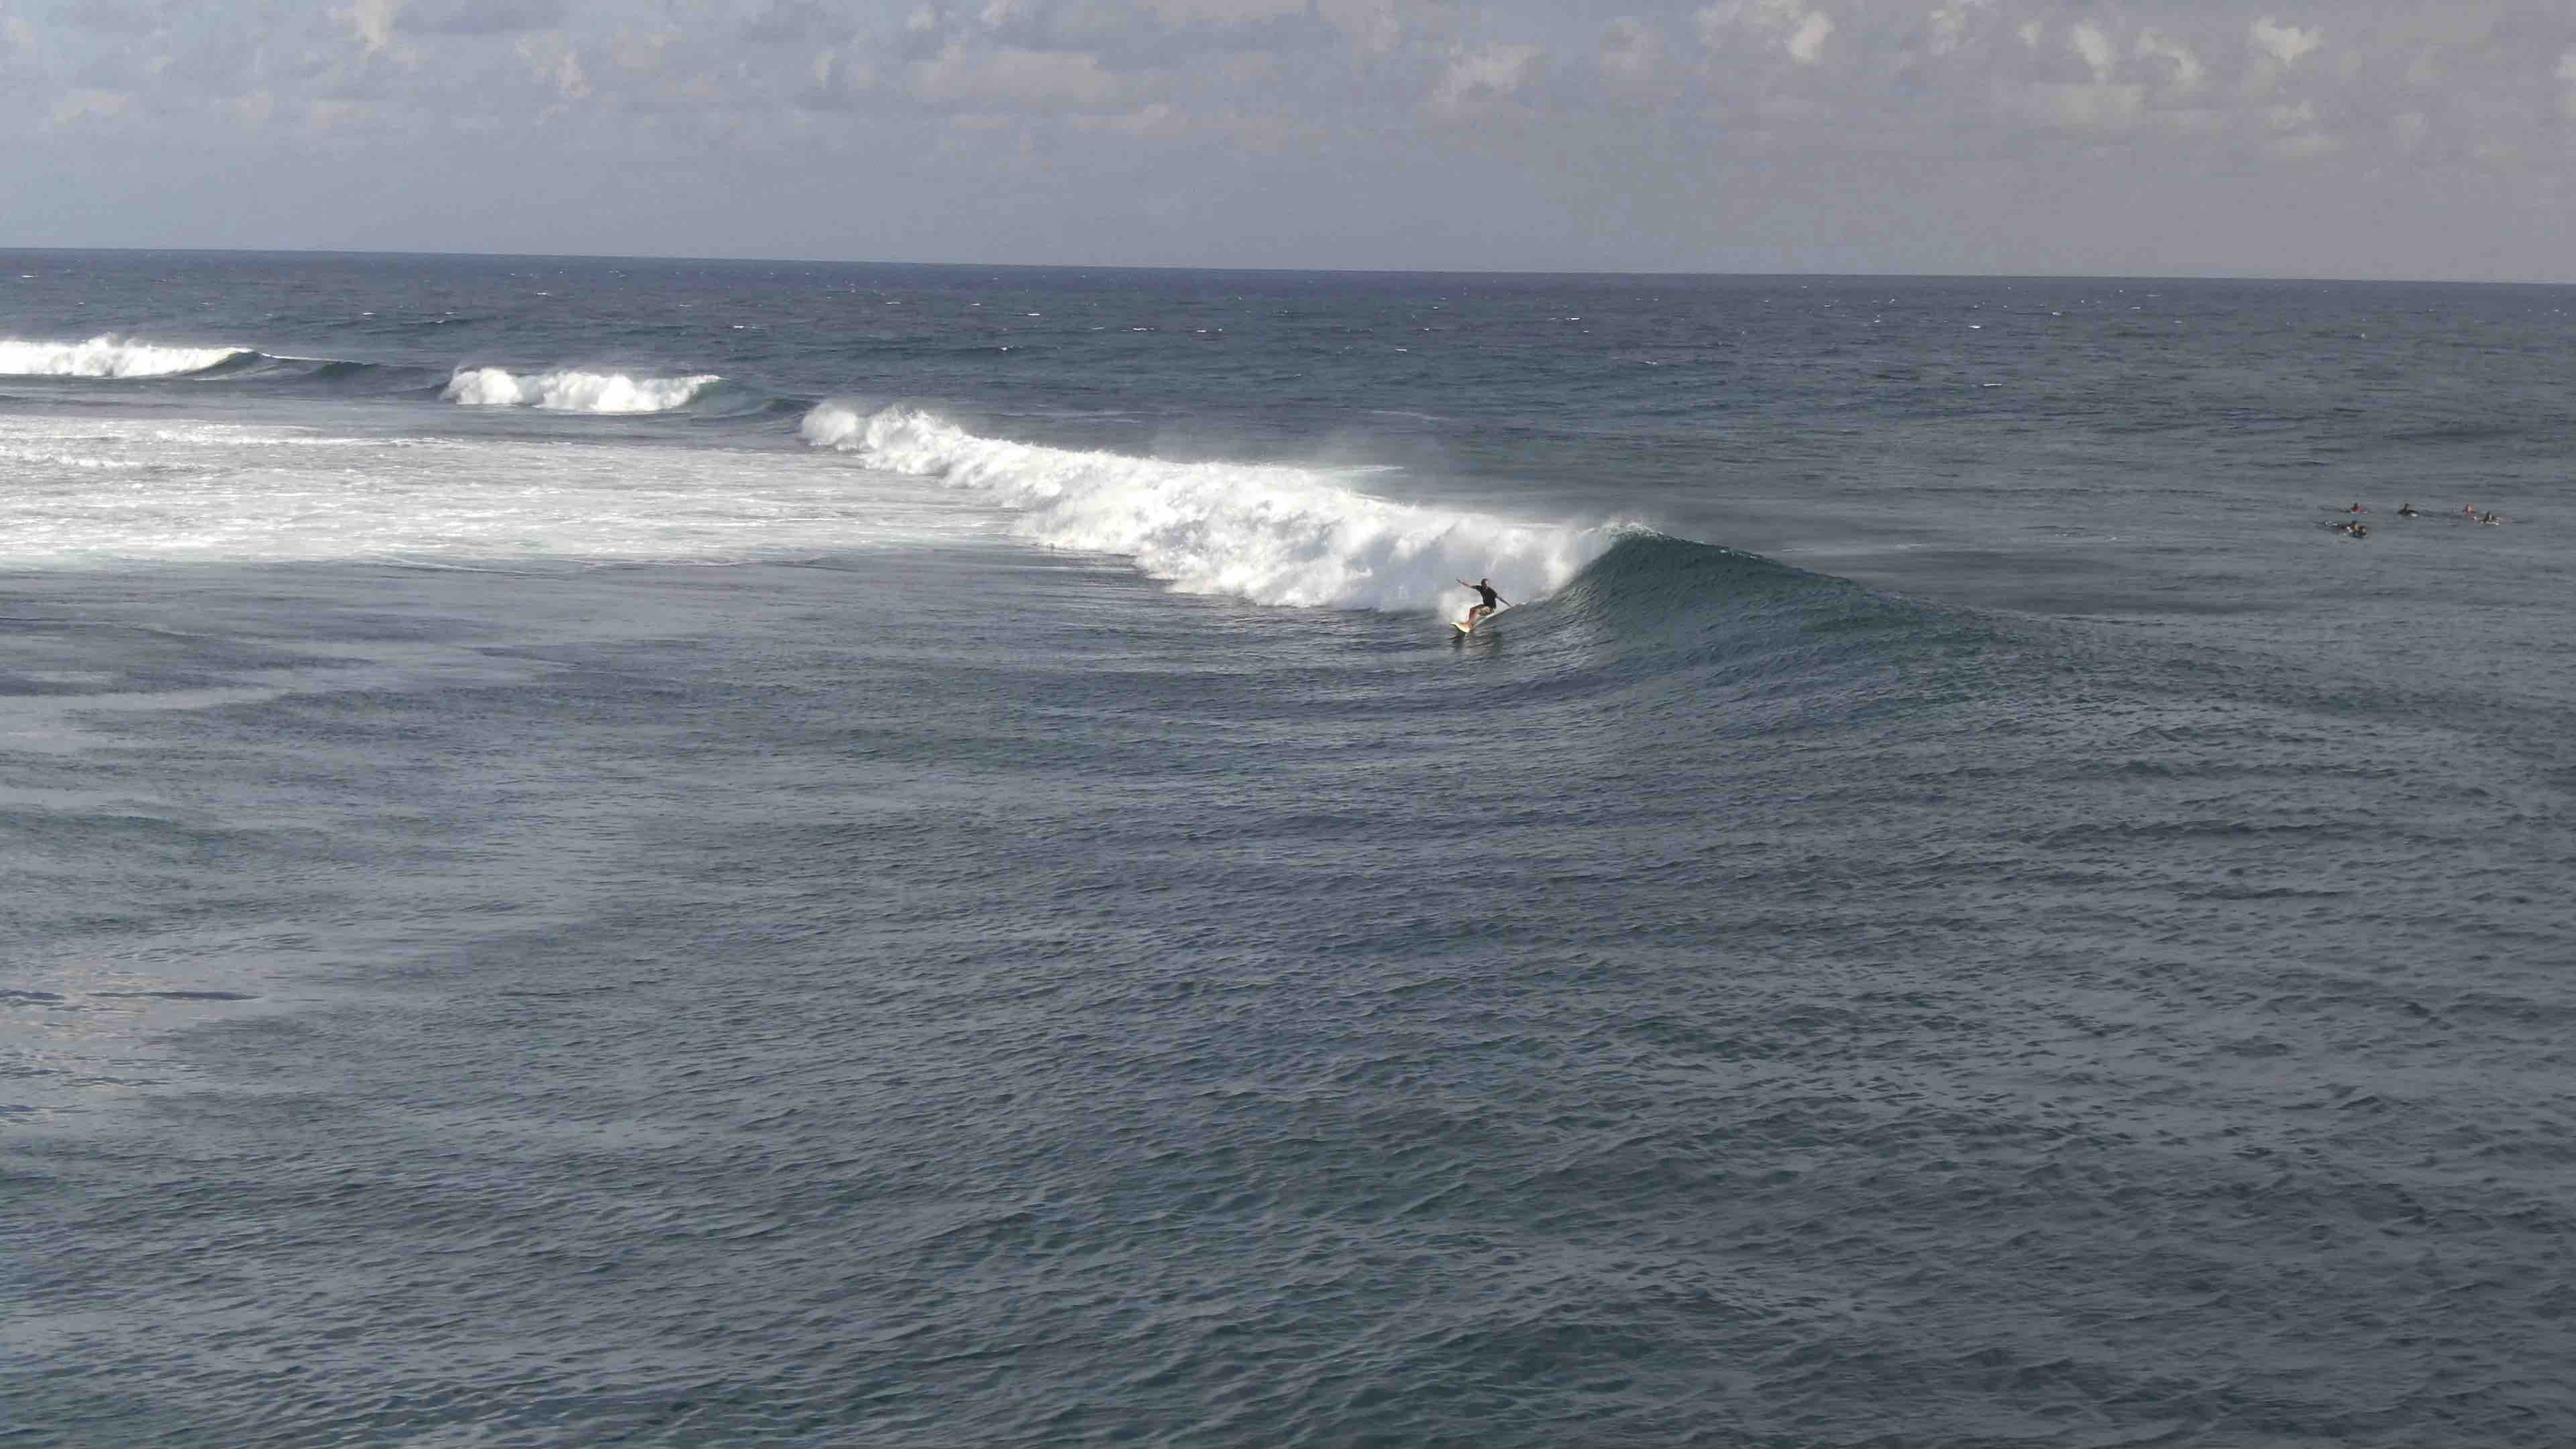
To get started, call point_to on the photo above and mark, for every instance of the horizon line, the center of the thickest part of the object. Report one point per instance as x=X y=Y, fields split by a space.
x=1310 y=271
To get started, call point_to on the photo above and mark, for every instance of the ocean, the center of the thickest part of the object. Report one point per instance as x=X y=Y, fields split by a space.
x=686 y=852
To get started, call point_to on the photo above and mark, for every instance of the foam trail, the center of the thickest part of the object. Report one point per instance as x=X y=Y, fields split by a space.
x=105 y=356
x=1269 y=533
x=106 y=492
x=571 y=391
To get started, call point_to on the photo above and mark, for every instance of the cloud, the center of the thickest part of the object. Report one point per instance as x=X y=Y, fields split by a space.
x=2088 y=41
x=324 y=115
x=1632 y=55
x=787 y=22
x=2094 y=105
x=1950 y=24
x=1381 y=27
x=1229 y=12
x=83 y=105
x=1788 y=23
x=2187 y=69
x=1809 y=40
x=2285 y=43
x=1486 y=74
x=251 y=111
x=372 y=22
x=1018 y=79
x=643 y=53
x=555 y=61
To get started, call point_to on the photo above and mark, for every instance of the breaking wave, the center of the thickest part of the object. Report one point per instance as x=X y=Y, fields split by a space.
x=571 y=391
x=108 y=356
x=1271 y=533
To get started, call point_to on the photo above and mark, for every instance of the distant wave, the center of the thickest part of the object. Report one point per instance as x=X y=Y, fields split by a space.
x=571 y=391
x=1270 y=533
x=107 y=356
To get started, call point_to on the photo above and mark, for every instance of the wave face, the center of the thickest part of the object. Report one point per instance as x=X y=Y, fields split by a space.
x=573 y=391
x=108 y=356
x=1271 y=533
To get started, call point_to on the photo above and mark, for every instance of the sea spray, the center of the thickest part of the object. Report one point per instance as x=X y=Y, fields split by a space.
x=574 y=391
x=106 y=356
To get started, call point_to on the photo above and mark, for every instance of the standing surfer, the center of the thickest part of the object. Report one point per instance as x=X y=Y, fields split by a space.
x=1492 y=602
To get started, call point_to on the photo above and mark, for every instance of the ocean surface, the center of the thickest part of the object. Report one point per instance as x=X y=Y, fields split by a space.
x=698 y=853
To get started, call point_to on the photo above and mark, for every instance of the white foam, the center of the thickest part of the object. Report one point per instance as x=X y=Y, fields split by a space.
x=573 y=391
x=104 y=356
x=86 y=493
x=1270 y=533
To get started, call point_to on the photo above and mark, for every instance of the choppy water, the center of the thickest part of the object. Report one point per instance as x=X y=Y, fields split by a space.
x=721 y=853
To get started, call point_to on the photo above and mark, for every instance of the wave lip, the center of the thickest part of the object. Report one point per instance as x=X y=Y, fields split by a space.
x=109 y=356
x=1271 y=533
x=571 y=390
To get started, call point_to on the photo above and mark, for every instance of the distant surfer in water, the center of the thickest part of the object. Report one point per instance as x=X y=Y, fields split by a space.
x=1492 y=602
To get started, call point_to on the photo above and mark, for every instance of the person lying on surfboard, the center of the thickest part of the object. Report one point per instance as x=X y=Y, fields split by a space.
x=1492 y=602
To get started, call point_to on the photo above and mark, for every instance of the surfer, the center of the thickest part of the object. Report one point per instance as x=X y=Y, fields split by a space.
x=2407 y=510
x=1492 y=601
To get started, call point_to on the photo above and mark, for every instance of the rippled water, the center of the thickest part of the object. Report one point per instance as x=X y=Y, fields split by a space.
x=920 y=895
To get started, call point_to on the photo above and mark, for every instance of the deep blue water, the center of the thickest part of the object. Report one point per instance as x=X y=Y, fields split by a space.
x=674 y=852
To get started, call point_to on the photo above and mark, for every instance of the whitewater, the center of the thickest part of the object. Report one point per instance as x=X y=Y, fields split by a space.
x=1272 y=534
x=737 y=851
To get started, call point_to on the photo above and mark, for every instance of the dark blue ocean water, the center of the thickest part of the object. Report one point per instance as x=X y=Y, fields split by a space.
x=690 y=853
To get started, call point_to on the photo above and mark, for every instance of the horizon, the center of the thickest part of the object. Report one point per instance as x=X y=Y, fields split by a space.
x=1498 y=272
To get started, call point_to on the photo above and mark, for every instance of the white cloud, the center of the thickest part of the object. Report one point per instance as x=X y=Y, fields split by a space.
x=1789 y=23
x=1487 y=73
x=82 y=104
x=1377 y=27
x=1950 y=23
x=555 y=61
x=2030 y=32
x=372 y=22
x=2089 y=42
x=1809 y=41
x=2188 y=71
x=2285 y=43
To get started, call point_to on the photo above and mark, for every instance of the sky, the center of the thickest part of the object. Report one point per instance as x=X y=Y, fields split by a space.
x=2287 y=138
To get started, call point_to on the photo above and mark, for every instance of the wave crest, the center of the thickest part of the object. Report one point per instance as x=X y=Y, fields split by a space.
x=572 y=391
x=107 y=356
x=1270 y=533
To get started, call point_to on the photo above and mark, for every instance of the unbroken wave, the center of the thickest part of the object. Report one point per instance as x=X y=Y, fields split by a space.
x=108 y=356
x=571 y=391
x=1270 y=533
